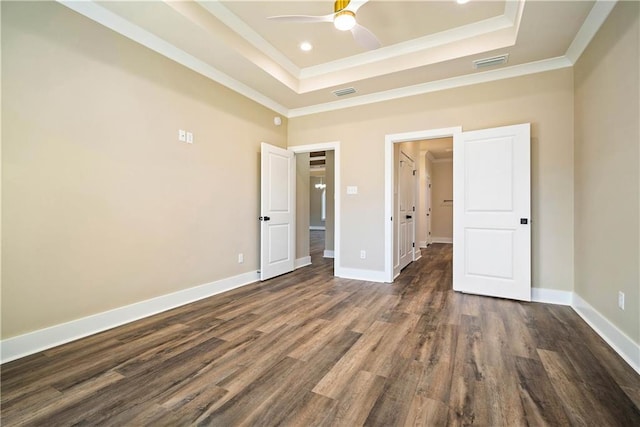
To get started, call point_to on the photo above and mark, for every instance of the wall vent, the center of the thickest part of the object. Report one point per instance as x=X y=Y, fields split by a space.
x=345 y=91
x=490 y=62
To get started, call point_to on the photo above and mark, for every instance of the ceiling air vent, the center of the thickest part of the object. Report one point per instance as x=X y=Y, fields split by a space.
x=490 y=62
x=345 y=91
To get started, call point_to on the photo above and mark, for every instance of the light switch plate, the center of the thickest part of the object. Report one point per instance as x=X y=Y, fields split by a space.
x=352 y=189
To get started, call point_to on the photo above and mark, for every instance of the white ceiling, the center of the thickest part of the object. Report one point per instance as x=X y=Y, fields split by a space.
x=426 y=45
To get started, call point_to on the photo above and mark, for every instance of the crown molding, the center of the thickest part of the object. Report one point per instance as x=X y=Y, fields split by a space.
x=590 y=27
x=120 y=25
x=513 y=11
x=249 y=34
x=435 y=86
x=410 y=46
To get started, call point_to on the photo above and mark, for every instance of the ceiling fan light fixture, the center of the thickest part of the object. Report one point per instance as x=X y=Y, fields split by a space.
x=344 y=20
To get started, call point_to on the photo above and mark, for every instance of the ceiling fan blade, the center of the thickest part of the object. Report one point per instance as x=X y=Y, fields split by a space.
x=302 y=18
x=364 y=37
x=354 y=5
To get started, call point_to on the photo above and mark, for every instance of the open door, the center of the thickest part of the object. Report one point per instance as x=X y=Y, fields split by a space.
x=406 y=210
x=277 y=211
x=491 y=212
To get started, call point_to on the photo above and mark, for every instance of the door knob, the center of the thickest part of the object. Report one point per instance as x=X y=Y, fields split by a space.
x=264 y=218
x=524 y=221
x=409 y=217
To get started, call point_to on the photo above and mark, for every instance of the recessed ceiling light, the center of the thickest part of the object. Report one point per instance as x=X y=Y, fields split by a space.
x=306 y=46
x=462 y=1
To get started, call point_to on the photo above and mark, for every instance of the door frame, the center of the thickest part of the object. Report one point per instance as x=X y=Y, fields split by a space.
x=335 y=147
x=389 y=140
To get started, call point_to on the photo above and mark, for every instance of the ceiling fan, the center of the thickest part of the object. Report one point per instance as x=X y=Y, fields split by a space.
x=343 y=18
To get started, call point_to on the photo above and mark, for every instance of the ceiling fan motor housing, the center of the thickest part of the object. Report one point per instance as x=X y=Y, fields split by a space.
x=340 y=4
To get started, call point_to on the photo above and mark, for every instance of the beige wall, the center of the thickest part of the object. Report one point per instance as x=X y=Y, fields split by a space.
x=315 y=202
x=545 y=100
x=607 y=181
x=426 y=168
x=303 y=205
x=102 y=206
x=441 y=190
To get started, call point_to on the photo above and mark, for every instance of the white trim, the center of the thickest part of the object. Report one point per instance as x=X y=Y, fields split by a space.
x=448 y=240
x=327 y=146
x=103 y=16
x=139 y=35
x=422 y=244
x=510 y=19
x=360 y=274
x=442 y=160
x=389 y=140
x=250 y=35
x=438 y=85
x=618 y=340
x=551 y=296
x=317 y=227
x=421 y=44
x=328 y=254
x=417 y=254
x=42 y=339
x=302 y=262
x=599 y=13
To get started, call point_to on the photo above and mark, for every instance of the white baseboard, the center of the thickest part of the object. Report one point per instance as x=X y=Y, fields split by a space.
x=422 y=244
x=33 y=342
x=551 y=296
x=442 y=240
x=317 y=227
x=328 y=254
x=618 y=340
x=417 y=254
x=359 y=274
x=302 y=262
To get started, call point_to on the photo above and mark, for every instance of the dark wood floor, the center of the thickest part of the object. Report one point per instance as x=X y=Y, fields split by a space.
x=308 y=349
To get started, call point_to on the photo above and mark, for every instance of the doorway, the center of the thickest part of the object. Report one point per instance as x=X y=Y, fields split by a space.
x=331 y=184
x=390 y=146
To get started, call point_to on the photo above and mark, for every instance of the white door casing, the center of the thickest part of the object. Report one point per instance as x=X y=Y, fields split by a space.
x=277 y=211
x=406 y=210
x=491 y=212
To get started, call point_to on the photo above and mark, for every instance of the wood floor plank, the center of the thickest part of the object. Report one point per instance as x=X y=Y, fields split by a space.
x=334 y=383
x=310 y=349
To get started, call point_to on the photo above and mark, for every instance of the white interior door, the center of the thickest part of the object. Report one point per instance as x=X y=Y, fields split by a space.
x=406 y=203
x=491 y=212
x=277 y=211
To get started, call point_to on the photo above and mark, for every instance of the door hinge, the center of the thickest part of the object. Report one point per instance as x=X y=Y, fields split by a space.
x=414 y=173
x=391 y=218
x=429 y=233
x=414 y=208
x=413 y=245
x=429 y=185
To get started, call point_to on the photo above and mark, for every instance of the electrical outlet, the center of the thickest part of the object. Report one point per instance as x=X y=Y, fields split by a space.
x=182 y=135
x=363 y=254
x=621 y=300
x=240 y=258
x=189 y=137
